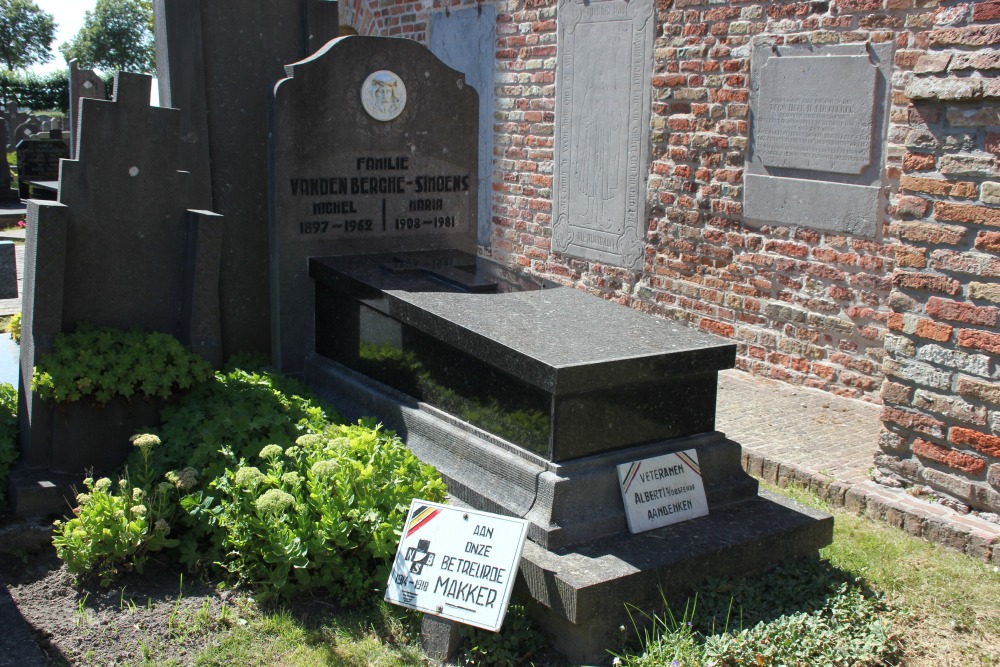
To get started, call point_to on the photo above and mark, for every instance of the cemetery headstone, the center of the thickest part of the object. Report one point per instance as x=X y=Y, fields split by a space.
x=83 y=83
x=374 y=148
x=220 y=78
x=38 y=160
x=602 y=143
x=122 y=248
x=817 y=136
x=465 y=40
x=7 y=193
x=8 y=270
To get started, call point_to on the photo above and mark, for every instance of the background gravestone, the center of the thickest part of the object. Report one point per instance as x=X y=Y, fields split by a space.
x=38 y=159
x=465 y=40
x=817 y=135
x=345 y=182
x=602 y=130
x=7 y=193
x=122 y=249
x=217 y=62
x=83 y=83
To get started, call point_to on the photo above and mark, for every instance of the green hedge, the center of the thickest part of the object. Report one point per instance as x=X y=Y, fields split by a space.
x=49 y=92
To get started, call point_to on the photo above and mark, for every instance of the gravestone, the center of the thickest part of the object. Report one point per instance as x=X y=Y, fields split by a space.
x=83 y=83
x=121 y=248
x=217 y=62
x=13 y=119
x=38 y=160
x=817 y=136
x=8 y=270
x=465 y=40
x=373 y=148
x=7 y=193
x=602 y=144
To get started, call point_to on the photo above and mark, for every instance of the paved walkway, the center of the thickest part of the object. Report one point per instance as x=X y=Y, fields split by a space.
x=795 y=435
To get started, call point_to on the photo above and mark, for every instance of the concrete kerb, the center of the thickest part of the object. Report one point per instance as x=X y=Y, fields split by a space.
x=970 y=535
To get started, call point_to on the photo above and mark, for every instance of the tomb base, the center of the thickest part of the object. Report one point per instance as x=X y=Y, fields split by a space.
x=581 y=564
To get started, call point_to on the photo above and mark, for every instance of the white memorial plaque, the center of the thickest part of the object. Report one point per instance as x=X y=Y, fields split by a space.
x=458 y=564
x=383 y=95
x=663 y=490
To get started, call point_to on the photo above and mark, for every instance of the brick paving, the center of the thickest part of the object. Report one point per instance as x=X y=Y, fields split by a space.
x=796 y=435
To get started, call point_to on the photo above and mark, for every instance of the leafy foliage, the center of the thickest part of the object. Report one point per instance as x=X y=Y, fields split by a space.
x=26 y=32
x=117 y=526
x=99 y=364
x=45 y=92
x=324 y=513
x=9 y=452
x=804 y=613
x=14 y=328
x=516 y=641
x=116 y=35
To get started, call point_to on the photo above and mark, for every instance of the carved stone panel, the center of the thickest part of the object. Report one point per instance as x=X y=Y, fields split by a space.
x=817 y=136
x=602 y=129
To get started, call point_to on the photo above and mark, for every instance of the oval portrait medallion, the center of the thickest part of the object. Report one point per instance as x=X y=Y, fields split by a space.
x=383 y=95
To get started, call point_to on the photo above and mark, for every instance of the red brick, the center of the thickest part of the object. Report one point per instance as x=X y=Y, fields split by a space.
x=987 y=392
x=987 y=444
x=957 y=311
x=719 y=328
x=979 y=35
x=967 y=213
x=910 y=257
x=913 y=421
x=911 y=206
x=893 y=393
x=938 y=186
x=988 y=241
x=993 y=142
x=979 y=340
x=967 y=463
x=918 y=162
x=930 y=233
x=926 y=282
x=859 y=5
x=985 y=11
x=934 y=330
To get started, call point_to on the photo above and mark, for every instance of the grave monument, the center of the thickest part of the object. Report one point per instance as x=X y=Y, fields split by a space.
x=38 y=164
x=123 y=247
x=527 y=396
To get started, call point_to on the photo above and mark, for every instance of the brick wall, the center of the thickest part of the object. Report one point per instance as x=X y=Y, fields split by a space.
x=941 y=393
x=908 y=318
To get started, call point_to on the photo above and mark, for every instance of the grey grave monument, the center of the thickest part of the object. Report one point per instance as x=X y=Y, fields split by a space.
x=602 y=144
x=465 y=40
x=83 y=84
x=217 y=62
x=7 y=193
x=38 y=164
x=525 y=395
x=818 y=123
x=121 y=248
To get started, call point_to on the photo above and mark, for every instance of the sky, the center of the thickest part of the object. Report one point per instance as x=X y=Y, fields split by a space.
x=69 y=19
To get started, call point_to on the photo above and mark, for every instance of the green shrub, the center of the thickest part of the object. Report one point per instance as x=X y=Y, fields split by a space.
x=324 y=513
x=516 y=641
x=9 y=451
x=117 y=526
x=14 y=327
x=45 y=92
x=99 y=363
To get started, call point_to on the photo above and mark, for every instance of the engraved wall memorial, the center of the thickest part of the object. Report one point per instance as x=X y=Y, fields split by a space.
x=817 y=134
x=603 y=97
x=373 y=149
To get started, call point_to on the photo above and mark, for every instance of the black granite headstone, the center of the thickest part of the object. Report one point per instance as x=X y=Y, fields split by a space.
x=373 y=149
x=38 y=160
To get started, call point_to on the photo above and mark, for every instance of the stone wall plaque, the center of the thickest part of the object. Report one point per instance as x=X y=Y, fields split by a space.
x=345 y=182
x=817 y=136
x=602 y=129
x=465 y=39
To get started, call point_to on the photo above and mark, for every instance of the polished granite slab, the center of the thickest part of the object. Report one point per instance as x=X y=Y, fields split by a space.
x=565 y=373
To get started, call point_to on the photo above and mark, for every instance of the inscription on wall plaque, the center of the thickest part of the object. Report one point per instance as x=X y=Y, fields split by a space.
x=817 y=134
x=804 y=122
x=602 y=129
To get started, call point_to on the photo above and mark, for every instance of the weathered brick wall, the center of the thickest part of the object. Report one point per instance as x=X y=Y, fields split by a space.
x=941 y=392
x=908 y=317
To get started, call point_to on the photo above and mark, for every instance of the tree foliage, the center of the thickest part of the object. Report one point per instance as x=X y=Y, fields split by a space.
x=26 y=33
x=46 y=92
x=116 y=35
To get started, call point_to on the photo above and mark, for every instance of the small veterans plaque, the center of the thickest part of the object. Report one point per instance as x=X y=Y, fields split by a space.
x=663 y=490
x=458 y=564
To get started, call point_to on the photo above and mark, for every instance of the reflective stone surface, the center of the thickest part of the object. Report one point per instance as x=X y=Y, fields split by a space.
x=558 y=372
